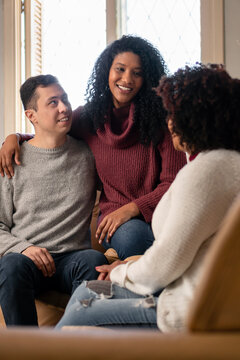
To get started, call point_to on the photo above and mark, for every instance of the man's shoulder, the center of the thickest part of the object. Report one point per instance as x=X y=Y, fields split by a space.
x=78 y=146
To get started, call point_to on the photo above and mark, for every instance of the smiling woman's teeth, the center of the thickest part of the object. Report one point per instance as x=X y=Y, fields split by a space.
x=124 y=88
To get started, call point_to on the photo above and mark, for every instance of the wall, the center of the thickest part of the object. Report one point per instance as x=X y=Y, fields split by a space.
x=232 y=37
x=1 y=73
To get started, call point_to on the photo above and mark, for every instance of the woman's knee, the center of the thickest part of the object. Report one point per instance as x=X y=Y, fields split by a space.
x=89 y=290
x=80 y=292
x=76 y=312
x=132 y=238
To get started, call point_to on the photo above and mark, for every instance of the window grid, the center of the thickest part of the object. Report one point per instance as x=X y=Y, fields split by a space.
x=171 y=25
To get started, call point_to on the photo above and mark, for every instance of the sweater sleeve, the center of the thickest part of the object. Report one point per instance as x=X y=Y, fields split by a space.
x=8 y=242
x=171 y=162
x=24 y=137
x=188 y=215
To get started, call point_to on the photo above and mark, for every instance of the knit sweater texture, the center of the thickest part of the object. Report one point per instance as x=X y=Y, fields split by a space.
x=48 y=203
x=128 y=170
x=184 y=224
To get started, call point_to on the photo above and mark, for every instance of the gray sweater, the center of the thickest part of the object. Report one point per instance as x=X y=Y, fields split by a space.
x=48 y=202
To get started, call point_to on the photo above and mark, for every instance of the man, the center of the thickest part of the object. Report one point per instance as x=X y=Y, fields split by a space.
x=45 y=209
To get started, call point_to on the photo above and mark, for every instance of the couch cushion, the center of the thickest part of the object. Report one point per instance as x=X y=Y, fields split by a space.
x=23 y=344
x=216 y=301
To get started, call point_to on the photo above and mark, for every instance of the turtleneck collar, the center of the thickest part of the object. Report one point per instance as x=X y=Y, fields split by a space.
x=193 y=156
x=119 y=129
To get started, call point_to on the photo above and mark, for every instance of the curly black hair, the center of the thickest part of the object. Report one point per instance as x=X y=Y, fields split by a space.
x=149 y=115
x=203 y=103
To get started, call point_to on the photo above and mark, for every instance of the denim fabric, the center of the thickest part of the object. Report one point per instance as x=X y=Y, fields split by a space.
x=21 y=281
x=132 y=238
x=101 y=303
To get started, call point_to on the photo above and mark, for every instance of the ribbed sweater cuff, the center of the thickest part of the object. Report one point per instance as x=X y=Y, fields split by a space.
x=19 y=248
x=144 y=209
x=118 y=274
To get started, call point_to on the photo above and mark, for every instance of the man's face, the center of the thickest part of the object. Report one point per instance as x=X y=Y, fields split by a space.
x=54 y=112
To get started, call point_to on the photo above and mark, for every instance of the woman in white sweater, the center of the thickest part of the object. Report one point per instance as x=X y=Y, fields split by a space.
x=203 y=117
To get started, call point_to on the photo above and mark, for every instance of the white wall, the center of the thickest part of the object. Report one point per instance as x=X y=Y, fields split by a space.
x=1 y=73
x=232 y=37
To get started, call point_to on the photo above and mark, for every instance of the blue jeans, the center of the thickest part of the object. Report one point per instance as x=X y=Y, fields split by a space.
x=101 y=303
x=21 y=281
x=133 y=237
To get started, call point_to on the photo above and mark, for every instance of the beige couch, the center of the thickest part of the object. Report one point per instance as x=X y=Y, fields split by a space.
x=212 y=331
x=45 y=344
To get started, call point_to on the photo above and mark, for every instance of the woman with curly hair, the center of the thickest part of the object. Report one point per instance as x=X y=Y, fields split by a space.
x=203 y=117
x=123 y=122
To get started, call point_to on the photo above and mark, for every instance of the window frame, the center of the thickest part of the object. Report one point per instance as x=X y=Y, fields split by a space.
x=212 y=31
x=11 y=65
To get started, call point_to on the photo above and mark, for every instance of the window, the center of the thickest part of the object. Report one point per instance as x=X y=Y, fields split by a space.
x=68 y=35
x=49 y=44
x=173 y=26
x=73 y=35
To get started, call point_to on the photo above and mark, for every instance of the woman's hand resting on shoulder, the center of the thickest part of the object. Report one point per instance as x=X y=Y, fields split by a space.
x=112 y=221
x=9 y=149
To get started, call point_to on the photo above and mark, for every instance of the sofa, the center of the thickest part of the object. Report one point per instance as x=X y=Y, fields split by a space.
x=212 y=326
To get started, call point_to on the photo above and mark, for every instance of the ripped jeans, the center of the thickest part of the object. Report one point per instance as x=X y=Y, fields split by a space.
x=101 y=303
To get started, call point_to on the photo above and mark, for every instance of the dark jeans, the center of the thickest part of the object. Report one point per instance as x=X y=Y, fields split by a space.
x=21 y=281
x=133 y=237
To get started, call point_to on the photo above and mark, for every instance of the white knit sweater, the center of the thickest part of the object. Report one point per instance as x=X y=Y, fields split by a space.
x=184 y=223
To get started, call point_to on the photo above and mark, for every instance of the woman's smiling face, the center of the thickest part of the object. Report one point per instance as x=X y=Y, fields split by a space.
x=125 y=78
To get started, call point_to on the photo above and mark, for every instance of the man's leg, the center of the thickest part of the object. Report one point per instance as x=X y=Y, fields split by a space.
x=101 y=303
x=19 y=281
x=74 y=267
x=132 y=238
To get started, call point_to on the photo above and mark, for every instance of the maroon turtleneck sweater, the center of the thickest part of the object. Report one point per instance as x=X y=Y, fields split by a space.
x=130 y=171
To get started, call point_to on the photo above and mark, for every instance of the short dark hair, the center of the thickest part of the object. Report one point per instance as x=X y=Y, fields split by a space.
x=28 y=89
x=203 y=103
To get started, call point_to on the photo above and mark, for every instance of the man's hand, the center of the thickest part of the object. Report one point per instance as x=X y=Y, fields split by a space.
x=105 y=270
x=112 y=221
x=42 y=259
x=9 y=149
